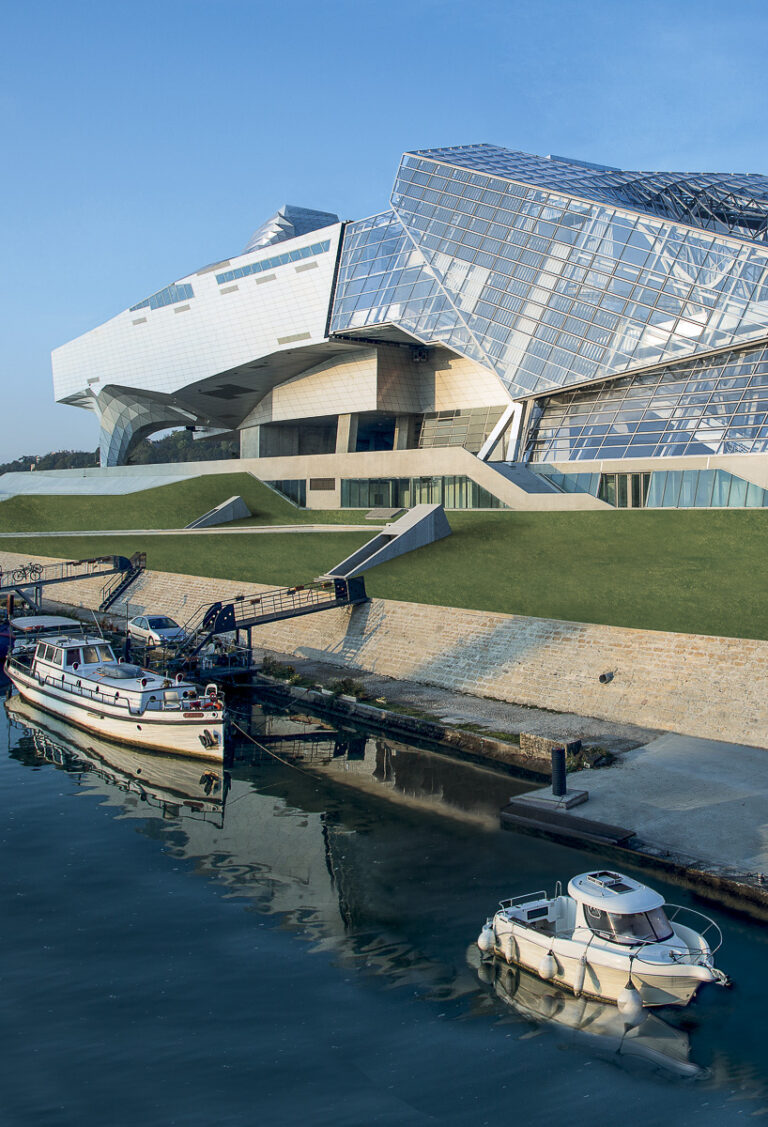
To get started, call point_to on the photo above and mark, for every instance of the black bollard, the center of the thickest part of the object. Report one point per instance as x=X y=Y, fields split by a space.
x=558 y=772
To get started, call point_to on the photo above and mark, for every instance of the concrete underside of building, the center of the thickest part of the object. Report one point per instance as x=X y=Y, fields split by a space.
x=697 y=685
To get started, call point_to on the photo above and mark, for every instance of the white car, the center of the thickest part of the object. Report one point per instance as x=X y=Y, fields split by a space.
x=155 y=630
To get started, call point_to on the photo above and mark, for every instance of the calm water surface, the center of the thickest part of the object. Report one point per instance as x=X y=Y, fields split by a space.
x=292 y=941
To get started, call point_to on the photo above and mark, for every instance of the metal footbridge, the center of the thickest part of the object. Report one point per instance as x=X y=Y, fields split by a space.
x=34 y=577
x=245 y=612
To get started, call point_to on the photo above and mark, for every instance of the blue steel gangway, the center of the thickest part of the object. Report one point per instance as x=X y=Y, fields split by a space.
x=32 y=576
x=245 y=612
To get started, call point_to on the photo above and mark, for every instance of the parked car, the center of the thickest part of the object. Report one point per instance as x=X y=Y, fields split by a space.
x=155 y=630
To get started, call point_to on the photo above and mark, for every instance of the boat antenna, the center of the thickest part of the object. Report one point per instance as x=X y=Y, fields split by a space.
x=98 y=625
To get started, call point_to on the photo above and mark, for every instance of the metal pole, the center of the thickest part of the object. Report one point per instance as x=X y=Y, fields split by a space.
x=558 y=772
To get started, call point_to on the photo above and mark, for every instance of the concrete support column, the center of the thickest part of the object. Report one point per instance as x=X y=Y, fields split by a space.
x=404 y=432
x=250 y=442
x=346 y=434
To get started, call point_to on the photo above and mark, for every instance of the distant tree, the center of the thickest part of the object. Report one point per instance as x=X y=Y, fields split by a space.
x=61 y=460
x=179 y=446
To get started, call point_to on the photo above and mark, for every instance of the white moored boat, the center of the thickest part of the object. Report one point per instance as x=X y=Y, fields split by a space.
x=608 y=938
x=79 y=679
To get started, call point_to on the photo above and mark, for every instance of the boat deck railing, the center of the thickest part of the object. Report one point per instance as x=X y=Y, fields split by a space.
x=114 y=699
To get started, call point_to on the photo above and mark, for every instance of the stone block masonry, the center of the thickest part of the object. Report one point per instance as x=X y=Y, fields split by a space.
x=693 y=684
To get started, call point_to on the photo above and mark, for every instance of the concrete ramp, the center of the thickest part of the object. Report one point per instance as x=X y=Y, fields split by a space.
x=420 y=526
x=234 y=508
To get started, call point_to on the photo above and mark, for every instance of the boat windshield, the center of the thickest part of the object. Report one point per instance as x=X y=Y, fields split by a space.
x=638 y=927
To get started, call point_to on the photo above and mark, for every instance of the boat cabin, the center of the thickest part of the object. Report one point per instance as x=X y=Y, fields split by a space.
x=619 y=909
x=85 y=665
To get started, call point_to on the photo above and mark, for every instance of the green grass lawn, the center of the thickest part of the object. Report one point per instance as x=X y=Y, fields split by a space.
x=280 y=559
x=166 y=506
x=694 y=571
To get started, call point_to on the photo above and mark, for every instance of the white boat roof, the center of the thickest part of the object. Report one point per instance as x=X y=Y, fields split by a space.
x=614 y=892
x=74 y=641
x=31 y=622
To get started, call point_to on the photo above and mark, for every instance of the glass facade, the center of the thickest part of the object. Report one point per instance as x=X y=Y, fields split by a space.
x=559 y=290
x=715 y=405
x=295 y=491
x=729 y=203
x=277 y=260
x=403 y=492
x=555 y=273
x=663 y=489
x=468 y=428
x=383 y=279
x=179 y=291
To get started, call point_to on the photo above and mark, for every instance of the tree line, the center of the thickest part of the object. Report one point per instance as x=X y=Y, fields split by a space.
x=179 y=446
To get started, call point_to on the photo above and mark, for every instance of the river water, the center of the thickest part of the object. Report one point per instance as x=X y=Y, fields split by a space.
x=293 y=939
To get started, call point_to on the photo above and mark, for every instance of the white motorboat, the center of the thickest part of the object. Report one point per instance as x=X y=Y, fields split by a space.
x=610 y=938
x=79 y=679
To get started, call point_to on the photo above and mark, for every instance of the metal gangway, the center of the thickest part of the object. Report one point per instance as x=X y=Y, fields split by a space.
x=245 y=612
x=34 y=576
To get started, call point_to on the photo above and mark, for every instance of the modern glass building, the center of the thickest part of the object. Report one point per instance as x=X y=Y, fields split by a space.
x=580 y=329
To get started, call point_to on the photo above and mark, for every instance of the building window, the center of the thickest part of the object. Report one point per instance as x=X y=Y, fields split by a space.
x=453 y=492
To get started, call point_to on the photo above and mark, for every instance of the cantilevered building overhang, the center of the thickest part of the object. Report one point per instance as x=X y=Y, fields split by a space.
x=204 y=350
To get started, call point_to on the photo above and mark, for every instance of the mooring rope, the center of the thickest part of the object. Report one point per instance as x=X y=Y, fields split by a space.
x=261 y=747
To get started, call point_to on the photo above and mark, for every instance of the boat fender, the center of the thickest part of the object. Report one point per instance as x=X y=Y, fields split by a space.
x=548 y=967
x=508 y=947
x=581 y=974
x=486 y=940
x=485 y=972
x=630 y=1004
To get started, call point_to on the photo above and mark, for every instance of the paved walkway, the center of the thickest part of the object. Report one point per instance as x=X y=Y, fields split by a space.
x=702 y=798
x=483 y=713
x=242 y=530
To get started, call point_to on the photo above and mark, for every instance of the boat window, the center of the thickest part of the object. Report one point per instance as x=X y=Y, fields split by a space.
x=649 y=926
x=71 y=657
x=90 y=654
x=105 y=653
x=637 y=927
x=56 y=655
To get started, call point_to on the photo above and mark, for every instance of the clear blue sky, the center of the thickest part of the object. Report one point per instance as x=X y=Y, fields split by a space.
x=143 y=140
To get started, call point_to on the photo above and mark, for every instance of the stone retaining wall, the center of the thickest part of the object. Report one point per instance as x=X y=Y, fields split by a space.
x=694 y=684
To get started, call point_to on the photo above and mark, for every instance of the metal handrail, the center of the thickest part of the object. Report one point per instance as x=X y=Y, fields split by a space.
x=116 y=701
x=710 y=924
x=524 y=897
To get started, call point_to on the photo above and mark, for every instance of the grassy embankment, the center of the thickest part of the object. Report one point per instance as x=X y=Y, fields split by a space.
x=166 y=506
x=693 y=571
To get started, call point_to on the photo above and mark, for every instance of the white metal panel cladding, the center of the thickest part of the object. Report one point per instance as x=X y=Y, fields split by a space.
x=165 y=353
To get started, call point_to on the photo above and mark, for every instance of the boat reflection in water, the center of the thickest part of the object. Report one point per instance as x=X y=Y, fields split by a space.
x=332 y=867
x=598 y=1026
x=176 y=785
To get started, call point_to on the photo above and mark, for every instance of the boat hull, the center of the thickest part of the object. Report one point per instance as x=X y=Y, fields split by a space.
x=170 y=732
x=600 y=974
